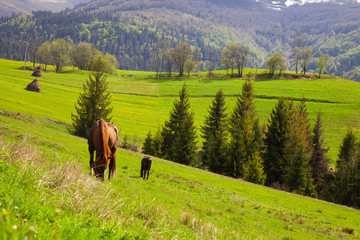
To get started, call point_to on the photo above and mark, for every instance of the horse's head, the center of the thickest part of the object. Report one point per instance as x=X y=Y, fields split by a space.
x=100 y=167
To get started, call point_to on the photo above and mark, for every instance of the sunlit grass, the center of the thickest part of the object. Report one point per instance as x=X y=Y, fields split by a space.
x=43 y=179
x=142 y=102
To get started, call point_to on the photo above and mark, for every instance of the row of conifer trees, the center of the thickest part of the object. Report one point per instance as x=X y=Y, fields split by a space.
x=288 y=153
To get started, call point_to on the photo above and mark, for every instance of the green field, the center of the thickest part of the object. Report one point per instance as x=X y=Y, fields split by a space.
x=142 y=102
x=43 y=168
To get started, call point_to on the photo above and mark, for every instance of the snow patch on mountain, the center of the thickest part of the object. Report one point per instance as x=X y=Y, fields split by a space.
x=280 y=4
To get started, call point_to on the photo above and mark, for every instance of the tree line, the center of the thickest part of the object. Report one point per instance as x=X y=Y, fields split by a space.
x=182 y=57
x=287 y=153
x=84 y=55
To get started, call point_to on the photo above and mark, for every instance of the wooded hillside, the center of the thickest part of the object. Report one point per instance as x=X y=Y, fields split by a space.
x=130 y=30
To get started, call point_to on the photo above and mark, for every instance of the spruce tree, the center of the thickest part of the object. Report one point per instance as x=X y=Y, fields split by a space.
x=254 y=169
x=217 y=152
x=184 y=148
x=148 y=147
x=215 y=131
x=346 y=175
x=319 y=161
x=157 y=142
x=244 y=133
x=92 y=104
x=276 y=136
x=298 y=152
x=179 y=132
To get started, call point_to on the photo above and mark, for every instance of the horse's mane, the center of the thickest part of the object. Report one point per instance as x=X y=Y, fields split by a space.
x=105 y=137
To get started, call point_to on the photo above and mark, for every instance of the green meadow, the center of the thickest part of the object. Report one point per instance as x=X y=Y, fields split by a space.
x=142 y=103
x=45 y=191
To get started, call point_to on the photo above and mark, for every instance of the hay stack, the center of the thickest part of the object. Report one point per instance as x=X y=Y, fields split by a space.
x=37 y=72
x=34 y=86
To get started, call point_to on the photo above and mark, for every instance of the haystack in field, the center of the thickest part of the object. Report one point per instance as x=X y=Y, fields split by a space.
x=37 y=72
x=34 y=86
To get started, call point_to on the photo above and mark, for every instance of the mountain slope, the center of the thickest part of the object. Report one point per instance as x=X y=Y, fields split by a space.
x=45 y=188
x=336 y=98
x=127 y=28
x=8 y=7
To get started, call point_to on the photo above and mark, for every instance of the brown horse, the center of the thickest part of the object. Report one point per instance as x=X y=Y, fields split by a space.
x=145 y=167
x=103 y=139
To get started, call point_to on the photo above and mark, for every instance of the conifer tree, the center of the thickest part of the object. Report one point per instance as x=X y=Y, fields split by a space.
x=148 y=147
x=319 y=161
x=298 y=152
x=346 y=175
x=157 y=142
x=92 y=104
x=244 y=133
x=254 y=169
x=217 y=152
x=215 y=131
x=179 y=133
x=184 y=148
x=276 y=136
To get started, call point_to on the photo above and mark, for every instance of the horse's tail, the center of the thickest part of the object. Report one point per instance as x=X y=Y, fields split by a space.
x=105 y=137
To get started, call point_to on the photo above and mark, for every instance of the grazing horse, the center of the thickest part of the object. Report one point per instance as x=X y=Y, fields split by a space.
x=145 y=167
x=103 y=139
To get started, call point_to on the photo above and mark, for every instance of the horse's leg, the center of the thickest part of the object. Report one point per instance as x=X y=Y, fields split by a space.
x=91 y=151
x=112 y=164
x=148 y=169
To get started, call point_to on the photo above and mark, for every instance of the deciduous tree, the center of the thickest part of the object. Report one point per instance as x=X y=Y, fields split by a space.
x=44 y=54
x=180 y=54
x=323 y=63
x=104 y=64
x=297 y=50
x=158 y=54
x=190 y=65
x=60 y=50
x=169 y=60
x=276 y=62
x=306 y=58
x=83 y=55
x=226 y=60
x=240 y=55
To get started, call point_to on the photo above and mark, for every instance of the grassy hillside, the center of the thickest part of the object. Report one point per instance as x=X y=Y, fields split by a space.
x=45 y=191
x=142 y=102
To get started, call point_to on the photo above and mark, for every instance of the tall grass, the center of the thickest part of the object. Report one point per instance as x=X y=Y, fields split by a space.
x=48 y=199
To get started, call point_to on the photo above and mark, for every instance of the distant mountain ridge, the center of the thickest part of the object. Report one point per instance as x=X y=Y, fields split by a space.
x=8 y=7
x=281 y=4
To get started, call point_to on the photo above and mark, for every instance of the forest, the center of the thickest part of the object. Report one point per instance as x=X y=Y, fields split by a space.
x=130 y=31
